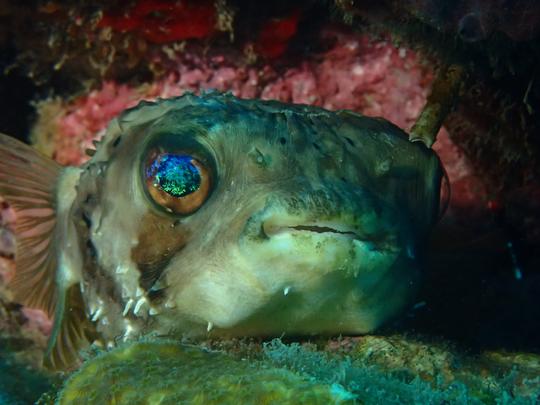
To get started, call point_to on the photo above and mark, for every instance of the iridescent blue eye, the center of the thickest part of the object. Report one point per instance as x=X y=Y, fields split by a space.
x=175 y=174
x=178 y=182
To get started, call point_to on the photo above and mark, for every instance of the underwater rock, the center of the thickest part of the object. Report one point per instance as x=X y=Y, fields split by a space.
x=170 y=373
x=21 y=349
x=20 y=336
x=19 y=384
x=411 y=370
x=488 y=375
x=367 y=370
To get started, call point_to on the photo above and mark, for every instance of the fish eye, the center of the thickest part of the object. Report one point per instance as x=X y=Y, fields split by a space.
x=178 y=182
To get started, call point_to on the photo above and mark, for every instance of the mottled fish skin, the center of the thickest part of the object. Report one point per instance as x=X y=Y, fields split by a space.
x=359 y=194
x=313 y=224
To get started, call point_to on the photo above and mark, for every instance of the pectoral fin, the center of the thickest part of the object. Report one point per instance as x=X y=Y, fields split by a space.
x=72 y=332
x=29 y=183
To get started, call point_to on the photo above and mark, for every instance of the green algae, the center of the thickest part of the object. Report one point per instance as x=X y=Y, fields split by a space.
x=363 y=370
x=171 y=373
x=404 y=370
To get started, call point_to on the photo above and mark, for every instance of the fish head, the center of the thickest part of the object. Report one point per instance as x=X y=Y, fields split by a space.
x=255 y=217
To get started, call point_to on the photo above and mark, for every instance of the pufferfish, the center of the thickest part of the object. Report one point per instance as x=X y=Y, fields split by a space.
x=215 y=215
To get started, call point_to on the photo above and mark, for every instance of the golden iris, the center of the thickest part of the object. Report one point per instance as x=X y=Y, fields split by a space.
x=178 y=182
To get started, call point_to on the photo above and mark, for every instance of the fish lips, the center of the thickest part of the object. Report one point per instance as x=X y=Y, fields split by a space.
x=270 y=228
x=280 y=235
x=275 y=228
x=275 y=221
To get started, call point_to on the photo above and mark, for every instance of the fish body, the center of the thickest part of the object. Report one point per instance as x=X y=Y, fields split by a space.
x=212 y=214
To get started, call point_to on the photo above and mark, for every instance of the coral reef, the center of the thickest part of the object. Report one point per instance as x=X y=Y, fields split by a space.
x=385 y=81
x=19 y=384
x=396 y=370
x=86 y=63
x=22 y=342
x=161 y=21
x=169 y=373
x=496 y=120
x=370 y=370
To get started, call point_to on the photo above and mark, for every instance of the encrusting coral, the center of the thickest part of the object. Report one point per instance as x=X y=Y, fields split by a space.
x=368 y=370
x=170 y=373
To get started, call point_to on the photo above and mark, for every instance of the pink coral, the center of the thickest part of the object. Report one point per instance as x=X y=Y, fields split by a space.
x=357 y=73
x=87 y=116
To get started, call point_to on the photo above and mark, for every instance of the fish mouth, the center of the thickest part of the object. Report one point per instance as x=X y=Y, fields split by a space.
x=269 y=229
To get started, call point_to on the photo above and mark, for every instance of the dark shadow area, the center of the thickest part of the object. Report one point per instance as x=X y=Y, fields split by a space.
x=474 y=293
x=17 y=92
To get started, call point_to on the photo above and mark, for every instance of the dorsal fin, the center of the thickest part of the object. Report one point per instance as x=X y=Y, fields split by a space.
x=27 y=183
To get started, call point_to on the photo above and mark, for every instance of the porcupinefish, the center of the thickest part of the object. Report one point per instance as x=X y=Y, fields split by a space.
x=215 y=215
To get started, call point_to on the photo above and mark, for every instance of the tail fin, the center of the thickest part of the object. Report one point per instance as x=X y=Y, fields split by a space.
x=28 y=182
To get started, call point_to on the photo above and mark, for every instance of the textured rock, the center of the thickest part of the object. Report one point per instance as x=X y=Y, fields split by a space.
x=366 y=370
x=169 y=373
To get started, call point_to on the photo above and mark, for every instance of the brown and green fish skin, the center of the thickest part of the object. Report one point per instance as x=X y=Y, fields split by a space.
x=312 y=224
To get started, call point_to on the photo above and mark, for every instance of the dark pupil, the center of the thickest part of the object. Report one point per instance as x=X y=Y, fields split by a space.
x=175 y=174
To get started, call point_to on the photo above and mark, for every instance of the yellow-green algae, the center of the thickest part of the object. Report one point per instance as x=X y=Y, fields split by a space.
x=170 y=373
x=367 y=370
